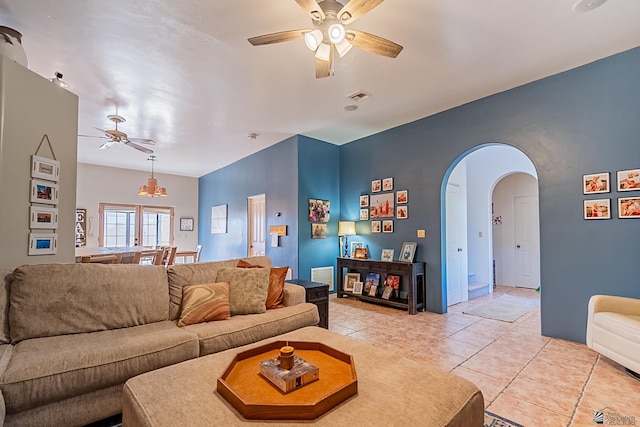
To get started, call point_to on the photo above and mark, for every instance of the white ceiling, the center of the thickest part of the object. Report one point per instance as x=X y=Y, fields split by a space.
x=183 y=73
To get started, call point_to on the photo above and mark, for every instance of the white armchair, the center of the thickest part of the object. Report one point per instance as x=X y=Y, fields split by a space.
x=613 y=330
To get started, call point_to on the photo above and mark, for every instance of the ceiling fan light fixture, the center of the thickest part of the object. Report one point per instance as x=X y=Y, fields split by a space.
x=343 y=47
x=336 y=33
x=323 y=52
x=313 y=39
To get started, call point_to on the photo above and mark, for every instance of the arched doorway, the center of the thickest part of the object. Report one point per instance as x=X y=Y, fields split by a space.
x=467 y=217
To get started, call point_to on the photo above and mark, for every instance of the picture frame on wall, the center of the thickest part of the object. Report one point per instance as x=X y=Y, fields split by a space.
x=387 y=226
x=219 y=219
x=364 y=214
x=43 y=217
x=629 y=180
x=596 y=183
x=382 y=205
x=319 y=210
x=364 y=201
x=43 y=243
x=597 y=209
x=318 y=231
x=408 y=251
x=186 y=224
x=376 y=226
x=44 y=192
x=81 y=227
x=44 y=168
x=387 y=184
x=629 y=207
x=376 y=186
x=387 y=255
x=402 y=212
x=402 y=197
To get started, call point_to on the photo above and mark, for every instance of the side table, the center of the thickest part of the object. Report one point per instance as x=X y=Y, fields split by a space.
x=318 y=294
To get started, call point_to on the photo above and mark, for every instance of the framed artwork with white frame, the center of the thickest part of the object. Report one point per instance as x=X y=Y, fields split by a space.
x=364 y=201
x=376 y=186
x=629 y=180
x=44 y=192
x=408 y=251
x=387 y=184
x=43 y=217
x=357 y=288
x=387 y=226
x=402 y=212
x=376 y=226
x=44 y=168
x=219 y=219
x=349 y=280
x=402 y=197
x=629 y=207
x=387 y=255
x=364 y=214
x=43 y=243
x=597 y=209
x=596 y=183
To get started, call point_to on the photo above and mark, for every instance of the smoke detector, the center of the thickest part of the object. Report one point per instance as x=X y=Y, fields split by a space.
x=587 y=5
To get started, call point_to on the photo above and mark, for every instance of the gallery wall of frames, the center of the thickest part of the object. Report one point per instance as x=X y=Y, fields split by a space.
x=600 y=183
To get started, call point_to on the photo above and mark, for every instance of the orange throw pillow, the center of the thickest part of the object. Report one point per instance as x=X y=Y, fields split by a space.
x=277 y=275
x=205 y=303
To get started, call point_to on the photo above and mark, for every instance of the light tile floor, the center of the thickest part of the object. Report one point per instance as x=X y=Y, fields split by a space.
x=524 y=376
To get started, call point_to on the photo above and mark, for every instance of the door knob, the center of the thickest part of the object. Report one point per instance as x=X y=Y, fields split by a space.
x=459 y=249
x=518 y=246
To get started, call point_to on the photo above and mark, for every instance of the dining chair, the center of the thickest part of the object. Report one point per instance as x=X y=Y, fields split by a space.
x=160 y=253
x=169 y=255
x=102 y=259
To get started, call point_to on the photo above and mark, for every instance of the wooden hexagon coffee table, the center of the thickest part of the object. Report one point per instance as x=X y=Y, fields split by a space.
x=257 y=399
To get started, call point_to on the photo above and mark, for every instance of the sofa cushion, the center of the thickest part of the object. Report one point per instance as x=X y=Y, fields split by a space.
x=45 y=370
x=181 y=275
x=277 y=276
x=55 y=299
x=205 y=303
x=6 y=278
x=241 y=330
x=247 y=289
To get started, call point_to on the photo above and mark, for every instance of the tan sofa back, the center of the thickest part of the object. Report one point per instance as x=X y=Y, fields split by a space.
x=195 y=274
x=5 y=285
x=56 y=299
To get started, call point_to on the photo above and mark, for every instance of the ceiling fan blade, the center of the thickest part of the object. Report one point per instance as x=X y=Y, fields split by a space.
x=106 y=145
x=93 y=136
x=324 y=68
x=374 y=44
x=283 y=36
x=138 y=147
x=142 y=141
x=312 y=8
x=354 y=9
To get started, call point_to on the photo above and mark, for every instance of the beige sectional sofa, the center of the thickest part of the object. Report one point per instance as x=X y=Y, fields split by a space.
x=72 y=334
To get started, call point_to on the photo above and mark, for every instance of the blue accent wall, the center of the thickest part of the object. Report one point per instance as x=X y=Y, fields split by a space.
x=585 y=120
x=273 y=172
x=318 y=178
x=582 y=121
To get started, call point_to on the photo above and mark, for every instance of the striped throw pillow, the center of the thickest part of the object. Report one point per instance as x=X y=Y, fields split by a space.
x=205 y=303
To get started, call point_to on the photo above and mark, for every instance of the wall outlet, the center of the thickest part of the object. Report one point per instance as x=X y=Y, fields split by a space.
x=421 y=234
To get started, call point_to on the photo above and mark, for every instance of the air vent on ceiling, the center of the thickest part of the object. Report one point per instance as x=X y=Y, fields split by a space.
x=358 y=96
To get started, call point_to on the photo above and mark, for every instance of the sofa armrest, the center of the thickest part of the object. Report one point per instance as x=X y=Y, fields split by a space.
x=294 y=294
x=612 y=304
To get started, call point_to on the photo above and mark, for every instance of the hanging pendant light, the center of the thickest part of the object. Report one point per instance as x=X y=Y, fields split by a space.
x=152 y=189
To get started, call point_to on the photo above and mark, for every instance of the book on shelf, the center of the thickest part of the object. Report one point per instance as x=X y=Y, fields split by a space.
x=287 y=380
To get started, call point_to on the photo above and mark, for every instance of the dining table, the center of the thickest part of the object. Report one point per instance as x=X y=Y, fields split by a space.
x=84 y=251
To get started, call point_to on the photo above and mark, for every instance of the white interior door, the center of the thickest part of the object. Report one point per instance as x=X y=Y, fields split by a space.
x=256 y=225
x=456 y=288
x=527 y=242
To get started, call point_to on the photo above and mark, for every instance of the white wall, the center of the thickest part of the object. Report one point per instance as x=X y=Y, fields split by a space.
x=485 y=167
x=504 y=194
x=102 y=184
x=31 y=106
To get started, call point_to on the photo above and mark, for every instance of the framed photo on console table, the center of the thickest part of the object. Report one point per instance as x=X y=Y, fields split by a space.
x=349 y=281
x=408 y=251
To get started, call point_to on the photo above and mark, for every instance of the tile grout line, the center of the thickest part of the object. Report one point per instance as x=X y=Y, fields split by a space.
x=575 y=409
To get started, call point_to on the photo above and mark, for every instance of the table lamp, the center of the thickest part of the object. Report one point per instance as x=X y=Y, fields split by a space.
x=346 y=229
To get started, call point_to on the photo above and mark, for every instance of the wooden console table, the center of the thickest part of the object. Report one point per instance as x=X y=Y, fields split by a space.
x=412 y=281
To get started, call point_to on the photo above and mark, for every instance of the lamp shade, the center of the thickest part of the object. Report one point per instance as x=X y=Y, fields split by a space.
x=323 y=52
x=346 y=228
x=313 y=39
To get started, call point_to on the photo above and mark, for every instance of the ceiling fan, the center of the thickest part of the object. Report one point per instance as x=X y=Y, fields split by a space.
x=329 y=18
x=115 y=136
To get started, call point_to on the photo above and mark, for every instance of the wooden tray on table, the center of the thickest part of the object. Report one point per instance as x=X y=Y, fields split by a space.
x=257 y=399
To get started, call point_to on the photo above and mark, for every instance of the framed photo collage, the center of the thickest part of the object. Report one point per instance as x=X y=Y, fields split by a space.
x=600 y=183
